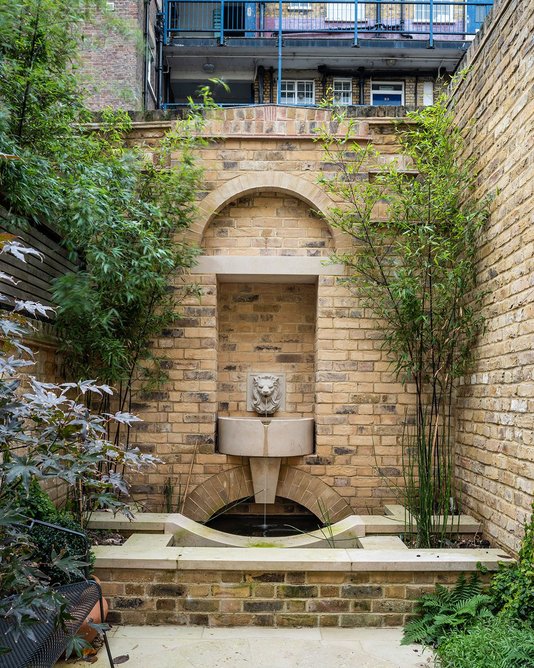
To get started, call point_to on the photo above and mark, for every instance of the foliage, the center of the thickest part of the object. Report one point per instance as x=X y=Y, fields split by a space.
x=446 y=610
x=472 y=629
x=47 y=434
x=121 y=212
x=498 y=642
x=512 y=588
x=37 y=505
x=413 y=225
x=124 y=225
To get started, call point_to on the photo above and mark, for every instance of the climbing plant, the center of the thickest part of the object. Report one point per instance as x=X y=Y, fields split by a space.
x=413 y=226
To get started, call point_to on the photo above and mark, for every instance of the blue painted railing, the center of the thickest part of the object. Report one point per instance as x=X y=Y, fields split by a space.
x=224 y=20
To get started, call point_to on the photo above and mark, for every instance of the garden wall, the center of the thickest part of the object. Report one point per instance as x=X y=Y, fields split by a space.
x=250 y=598
x=495 y=108
x=260 y=205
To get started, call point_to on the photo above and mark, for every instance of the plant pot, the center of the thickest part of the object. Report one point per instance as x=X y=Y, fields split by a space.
x=86 y=631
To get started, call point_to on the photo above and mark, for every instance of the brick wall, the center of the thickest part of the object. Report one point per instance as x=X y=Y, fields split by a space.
x=358 y=407
x=276 y=599
x=346 y=384
x=112 y=57
x=270 y=328
x=266 y=224
x=494 y=107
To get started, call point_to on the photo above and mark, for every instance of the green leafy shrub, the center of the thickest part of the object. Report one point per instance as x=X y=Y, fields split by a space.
x=48 y=541
x=447 y=610
x=512 y=588
x=471 y=629
x=36 y=504
x=495 y=643
x=47 y=434
x=45 y=542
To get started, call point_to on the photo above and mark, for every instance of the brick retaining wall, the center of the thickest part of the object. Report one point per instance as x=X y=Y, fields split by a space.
x=250 y=598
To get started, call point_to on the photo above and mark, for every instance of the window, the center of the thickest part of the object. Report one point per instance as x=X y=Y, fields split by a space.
x=297 y=92
x=150 y=73
x=442 y=13
x=387 y=93
x=428 y=93
x=342 y=91
x=344 y=11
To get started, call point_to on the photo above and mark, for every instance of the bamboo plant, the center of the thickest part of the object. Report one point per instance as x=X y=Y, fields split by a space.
x=413 y=226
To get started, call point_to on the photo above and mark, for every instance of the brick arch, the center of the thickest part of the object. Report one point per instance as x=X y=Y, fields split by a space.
x=281 y=182
x=223 y=488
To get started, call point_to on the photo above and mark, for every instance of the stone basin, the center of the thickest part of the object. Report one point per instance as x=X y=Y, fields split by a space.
x=265 y=437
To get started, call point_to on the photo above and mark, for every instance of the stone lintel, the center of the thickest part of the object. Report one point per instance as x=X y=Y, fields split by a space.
x=271 y=269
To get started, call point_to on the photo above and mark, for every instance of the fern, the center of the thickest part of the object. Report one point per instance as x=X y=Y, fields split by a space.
x=512 y=588
x=495 y=643
x=445 y=610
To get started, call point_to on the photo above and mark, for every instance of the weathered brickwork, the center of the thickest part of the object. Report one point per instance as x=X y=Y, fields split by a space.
x=276 y=599
x=261 y=172
x=112 y=58
x=267 y=224
x=266 y=327
x=311 y=492
x=495 y=108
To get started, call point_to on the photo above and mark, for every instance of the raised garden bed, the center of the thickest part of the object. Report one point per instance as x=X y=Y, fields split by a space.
x=374 y=581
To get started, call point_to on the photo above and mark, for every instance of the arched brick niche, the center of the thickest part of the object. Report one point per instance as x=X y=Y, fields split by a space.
x=223 y=488
x=263 y=182
x=268 y=223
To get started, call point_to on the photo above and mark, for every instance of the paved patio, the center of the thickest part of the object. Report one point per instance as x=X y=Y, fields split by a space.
x=252 y=647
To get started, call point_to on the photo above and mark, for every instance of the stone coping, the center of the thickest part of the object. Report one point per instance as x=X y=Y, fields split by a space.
x=271 y=269
x=156 y=551
x=188 y=533
x=392 y=523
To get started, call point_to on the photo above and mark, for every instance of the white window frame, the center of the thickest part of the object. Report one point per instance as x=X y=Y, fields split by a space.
x=295 y=83
x=343 y=12
x=388 y=83
x=442 y=13
x=340 y=80
x=150 y=73
x=428 y=93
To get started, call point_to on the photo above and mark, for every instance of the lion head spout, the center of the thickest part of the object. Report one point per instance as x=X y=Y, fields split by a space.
x=266 y=394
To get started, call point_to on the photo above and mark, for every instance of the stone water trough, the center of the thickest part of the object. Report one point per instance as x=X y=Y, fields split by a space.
x=265 y=441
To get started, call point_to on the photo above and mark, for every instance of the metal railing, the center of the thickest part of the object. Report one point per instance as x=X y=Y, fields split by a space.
x=226 y=20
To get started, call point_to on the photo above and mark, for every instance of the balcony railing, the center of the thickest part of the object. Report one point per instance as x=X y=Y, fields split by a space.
x=227 y=21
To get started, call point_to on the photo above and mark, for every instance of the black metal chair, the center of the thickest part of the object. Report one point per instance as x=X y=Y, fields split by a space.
x=50 y=639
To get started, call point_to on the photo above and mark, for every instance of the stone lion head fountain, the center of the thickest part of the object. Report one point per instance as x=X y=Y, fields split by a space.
x=266 y=393
x=264 y=439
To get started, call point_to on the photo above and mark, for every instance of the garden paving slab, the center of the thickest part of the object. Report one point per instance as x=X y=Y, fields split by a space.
x=252 y=647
